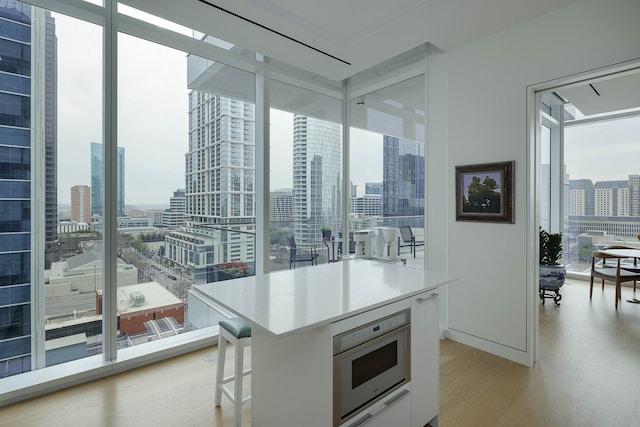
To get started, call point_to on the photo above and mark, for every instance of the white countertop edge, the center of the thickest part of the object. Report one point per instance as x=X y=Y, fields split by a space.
x=329 y=320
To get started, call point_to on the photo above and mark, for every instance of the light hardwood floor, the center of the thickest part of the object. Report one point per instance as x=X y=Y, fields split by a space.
x=588 y=374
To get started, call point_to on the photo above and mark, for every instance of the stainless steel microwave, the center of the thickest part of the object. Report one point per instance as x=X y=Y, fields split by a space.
x=370 y=362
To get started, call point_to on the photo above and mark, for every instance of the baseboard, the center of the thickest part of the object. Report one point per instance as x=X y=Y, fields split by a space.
x=497 y=349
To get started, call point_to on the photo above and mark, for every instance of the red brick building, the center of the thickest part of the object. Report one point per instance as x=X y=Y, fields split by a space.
x=142 y=302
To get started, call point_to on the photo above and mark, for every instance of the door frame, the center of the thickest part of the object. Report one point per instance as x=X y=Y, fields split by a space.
x=534 y=93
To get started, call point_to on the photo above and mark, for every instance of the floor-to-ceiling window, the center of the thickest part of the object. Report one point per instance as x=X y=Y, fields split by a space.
x=187 y=124
x=387 y=151
x=73 y=325
x=305 y=172
x=590 y=182
x=50 y=95
x=158 y=191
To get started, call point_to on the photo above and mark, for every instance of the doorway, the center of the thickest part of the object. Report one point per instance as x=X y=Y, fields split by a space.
x=584 y=179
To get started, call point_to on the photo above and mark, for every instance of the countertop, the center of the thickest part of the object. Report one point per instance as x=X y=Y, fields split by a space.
x=289 y=301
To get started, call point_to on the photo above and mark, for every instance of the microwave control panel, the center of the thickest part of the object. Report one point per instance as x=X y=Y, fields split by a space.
x=372 y=330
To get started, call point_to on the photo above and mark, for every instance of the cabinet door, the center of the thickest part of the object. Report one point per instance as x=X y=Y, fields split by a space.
x=425 y=358
x=397 y=415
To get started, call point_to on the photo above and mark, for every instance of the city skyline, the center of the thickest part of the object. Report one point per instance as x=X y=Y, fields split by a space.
x=81 y=102
x=79 y=64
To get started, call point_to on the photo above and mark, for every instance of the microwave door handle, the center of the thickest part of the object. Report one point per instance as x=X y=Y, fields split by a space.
x=420 y=300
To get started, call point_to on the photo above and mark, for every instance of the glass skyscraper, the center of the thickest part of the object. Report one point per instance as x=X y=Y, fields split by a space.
x=403 y=179
x=317 y=177
x=49 y=51
x=20 y=51
x=97 y=188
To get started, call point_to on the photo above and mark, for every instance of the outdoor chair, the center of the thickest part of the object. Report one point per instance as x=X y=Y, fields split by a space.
x=301 y=254
x=407 y=238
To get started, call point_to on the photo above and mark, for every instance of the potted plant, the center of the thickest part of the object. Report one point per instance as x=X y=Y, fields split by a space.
x=552 y=274
x=326 y=233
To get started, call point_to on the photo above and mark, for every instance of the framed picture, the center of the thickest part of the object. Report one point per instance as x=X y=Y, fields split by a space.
x=484 y=192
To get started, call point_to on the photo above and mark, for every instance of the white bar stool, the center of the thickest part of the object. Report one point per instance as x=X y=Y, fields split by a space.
x=238 y=332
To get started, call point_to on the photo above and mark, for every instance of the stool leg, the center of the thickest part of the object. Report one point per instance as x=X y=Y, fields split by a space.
x=222 y=347
x=237 y=389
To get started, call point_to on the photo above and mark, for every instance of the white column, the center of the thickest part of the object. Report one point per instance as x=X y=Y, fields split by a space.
x=262 y=184
x=38 y=82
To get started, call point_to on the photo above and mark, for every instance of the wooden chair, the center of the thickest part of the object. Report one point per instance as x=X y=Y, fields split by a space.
x=408 y=239
x=301 y=254
x=603 y=268
x=635 y=268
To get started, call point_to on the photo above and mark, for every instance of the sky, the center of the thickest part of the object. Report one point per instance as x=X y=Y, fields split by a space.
x=153 y=106
x=153 y=118
x=607 y=151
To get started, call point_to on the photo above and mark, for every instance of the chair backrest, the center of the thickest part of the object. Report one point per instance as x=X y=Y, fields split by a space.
x=406 y=233
x=597 y=255
x=292 y=248
x=635 y=260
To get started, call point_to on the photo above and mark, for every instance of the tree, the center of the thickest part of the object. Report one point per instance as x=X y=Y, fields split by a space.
x=490 y=183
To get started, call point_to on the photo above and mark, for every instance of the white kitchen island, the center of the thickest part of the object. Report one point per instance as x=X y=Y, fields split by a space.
x=296 y=313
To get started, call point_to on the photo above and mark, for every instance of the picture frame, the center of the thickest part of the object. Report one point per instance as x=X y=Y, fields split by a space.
x=484 y=192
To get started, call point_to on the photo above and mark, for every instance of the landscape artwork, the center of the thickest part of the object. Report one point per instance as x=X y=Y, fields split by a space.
x=484 y=192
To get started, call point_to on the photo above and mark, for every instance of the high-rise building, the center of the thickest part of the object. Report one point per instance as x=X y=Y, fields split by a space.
x=27 y=42
x=317 y=177
x=373 y=188
x=81 y=203
x=178 y=203
x=367 y=205
x=623 y=201
x=175 y=216
x=370 y=204
x=582 y=197
x=403 y=179
x=634 y=195
x=611 y=198
x=47 y=49
x=220 y=186
x=97 y=189
x=281 y=208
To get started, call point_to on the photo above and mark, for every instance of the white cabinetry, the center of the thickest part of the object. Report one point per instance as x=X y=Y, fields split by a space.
x=296 y=313
x=394 y=414
x=419 y=404
x=425 y=359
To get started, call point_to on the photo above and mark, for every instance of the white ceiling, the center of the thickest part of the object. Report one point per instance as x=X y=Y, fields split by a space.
x=605 y=95
x=339 y=38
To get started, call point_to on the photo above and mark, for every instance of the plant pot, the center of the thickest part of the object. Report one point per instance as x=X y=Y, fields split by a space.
x=550 y=281
x=326 y=234
x=552 y=276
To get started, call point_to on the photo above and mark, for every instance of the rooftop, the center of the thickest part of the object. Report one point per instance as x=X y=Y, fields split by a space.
x=153 y=293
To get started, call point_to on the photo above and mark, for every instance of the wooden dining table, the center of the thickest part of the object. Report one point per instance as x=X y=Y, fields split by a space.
x=622 y=253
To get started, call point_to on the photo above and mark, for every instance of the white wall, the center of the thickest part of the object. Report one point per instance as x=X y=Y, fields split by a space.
x=491 y=306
